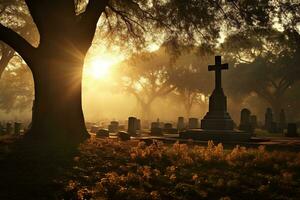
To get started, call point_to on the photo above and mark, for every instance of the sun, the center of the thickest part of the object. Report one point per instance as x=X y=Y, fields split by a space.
x=99 y=68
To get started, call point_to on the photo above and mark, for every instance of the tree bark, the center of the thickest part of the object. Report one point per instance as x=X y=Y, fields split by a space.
x=57 y=112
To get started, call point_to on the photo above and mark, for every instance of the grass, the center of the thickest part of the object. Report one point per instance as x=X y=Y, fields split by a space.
x=111 y=169
x=108 y=169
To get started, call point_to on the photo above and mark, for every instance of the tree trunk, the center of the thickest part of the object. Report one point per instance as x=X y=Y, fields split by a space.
x=57 y=115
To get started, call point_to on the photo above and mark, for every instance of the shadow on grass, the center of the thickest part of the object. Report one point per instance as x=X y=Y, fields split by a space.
x=32 y=170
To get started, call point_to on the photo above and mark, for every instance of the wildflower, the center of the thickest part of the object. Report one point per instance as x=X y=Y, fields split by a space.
x=194 y=177
x=155 y=195
x=173 y=177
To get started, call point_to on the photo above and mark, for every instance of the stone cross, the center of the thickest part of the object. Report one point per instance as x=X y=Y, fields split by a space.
x=218 y=67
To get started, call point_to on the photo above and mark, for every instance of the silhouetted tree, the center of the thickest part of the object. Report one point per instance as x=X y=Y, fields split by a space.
x=13 y=15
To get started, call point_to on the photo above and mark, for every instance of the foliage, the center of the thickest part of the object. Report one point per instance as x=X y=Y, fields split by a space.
x=109 y=169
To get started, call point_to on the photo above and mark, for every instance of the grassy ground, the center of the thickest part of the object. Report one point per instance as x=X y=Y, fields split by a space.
x=111 y=169
x=264 y=133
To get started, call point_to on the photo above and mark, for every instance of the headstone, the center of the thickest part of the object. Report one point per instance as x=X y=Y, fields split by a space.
x=138 y=121
x=122 y=128
x=113 y=127
x=245 y=123
x=273 y=128
x=154 y=125
x=102 y=133
x=253 y=121
x=217 y=117
x=292 y=130
x=268 y=119
x=282 y=121
x=217 y=124
x=9 y=128
x=168 y=128
x=155 y=129
x=94 y=128
x=193 y=123
x=123 y=136
x=18 y=128
x=180 y=123
x=132 y=126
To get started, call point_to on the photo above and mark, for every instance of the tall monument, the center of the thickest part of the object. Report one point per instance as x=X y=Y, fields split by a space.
x=217 y=117
x=217 y=124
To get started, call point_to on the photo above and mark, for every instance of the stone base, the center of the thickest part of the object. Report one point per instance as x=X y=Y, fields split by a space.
x=216 y=135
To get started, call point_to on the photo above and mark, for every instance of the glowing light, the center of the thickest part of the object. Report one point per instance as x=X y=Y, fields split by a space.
x=100 y=68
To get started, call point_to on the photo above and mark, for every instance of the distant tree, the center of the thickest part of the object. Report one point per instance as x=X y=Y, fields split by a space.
x=266 y=63
x=147 y=76
x=193 y=81
x=16 y=87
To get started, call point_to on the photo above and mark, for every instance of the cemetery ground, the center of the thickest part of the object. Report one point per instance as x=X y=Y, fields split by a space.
x=114 y=169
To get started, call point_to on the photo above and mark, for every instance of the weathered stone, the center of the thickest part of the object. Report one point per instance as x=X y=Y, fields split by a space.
x=273 y=128
x=132 y=126
x=123 y=136
x=156 y=131
x=217 y=124
x=268 y=119
x=168 y=128
x=180 y=123
x=282 y=121
x=18 y=128
x=113 y=127
x=245 y=123
x=94 y=128
x=102 y=133
x=253 y=121
x=193 y=123
x=292 y=130
x=9 y=128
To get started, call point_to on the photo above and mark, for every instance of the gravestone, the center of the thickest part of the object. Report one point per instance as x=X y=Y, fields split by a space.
x=268 y=119
x=253 y=121
x=217 y=124
x=94 y=128
x=154 y=125
x=17 y=128
x=132 y=126
x=282 y=121
x=9 y=128
x=292 y=130
x=155 y=129
x=193 y=123
x=180 y=123
x=113 y=127
x=217 y=117
x=274 y=127
x=168 y=128
x=245 y=122
x=123 y=136
x=102 y=133
x=138 y=121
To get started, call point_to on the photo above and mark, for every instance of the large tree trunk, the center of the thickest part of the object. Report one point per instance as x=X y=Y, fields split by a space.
x=57 y=115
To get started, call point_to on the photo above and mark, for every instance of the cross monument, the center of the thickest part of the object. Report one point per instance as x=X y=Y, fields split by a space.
x=218 y=67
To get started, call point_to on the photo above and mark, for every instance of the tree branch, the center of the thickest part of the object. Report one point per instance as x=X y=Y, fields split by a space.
x=16 y=42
